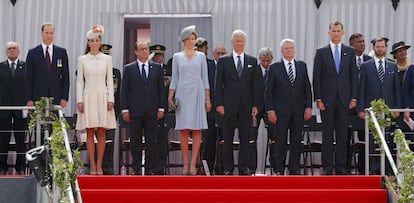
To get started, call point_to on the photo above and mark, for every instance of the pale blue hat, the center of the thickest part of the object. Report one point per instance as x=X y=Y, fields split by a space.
x=186 y=32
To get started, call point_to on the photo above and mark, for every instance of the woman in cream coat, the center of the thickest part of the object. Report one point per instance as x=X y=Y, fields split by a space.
x=95 y=97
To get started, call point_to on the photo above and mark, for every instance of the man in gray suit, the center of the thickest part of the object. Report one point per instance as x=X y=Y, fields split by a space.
x=379 y=79
x=335 y=82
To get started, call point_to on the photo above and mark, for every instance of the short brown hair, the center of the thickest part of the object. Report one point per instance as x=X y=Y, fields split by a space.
x=336 y=23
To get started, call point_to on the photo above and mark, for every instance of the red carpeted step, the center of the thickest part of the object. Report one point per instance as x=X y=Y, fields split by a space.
x=226 y=189
x=230 y=182
x=231 y=195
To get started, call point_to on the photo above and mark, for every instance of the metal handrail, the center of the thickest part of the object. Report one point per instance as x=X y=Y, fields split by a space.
x=66 y=140
x=70 y=158
x=369 y=113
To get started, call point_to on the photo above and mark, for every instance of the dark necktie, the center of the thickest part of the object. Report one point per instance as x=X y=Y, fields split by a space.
x=265 y=76
x=239 y=67
x=143 y=72
x=380 y=72
x=337 y=58
x=47 y=58
x=13 y=70
x=290 y=74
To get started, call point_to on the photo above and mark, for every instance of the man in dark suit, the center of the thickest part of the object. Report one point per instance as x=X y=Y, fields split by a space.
x=12 y=94
x=143 y=104
x=357 y=41
x=237 y=99
x=47 y=70
x=289 y=105
x=379 y=79
x=158 y=52
x=214 y=133
x=265 y=58
x=335 y=82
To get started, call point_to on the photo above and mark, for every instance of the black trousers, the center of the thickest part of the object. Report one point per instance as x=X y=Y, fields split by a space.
x=211 y=138
x=335 y=119
x=138 y=127
x=242 y=121
x=19 y=125
x=252 y=154
x=293 y=124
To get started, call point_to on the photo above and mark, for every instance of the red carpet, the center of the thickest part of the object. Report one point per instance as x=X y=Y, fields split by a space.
x=229 y=189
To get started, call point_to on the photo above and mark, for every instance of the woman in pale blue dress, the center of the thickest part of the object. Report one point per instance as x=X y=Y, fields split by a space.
x=189 y=83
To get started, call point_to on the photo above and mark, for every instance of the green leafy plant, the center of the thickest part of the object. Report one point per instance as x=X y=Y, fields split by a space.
x=405 y=169
x=405 y=157
x=383 y=115
x=64 y=173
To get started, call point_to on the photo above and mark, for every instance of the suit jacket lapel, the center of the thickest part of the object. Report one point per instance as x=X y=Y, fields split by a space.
x=149 y=70
x=331 y=58
x=231 y=60
x=283 y=71
x=138 y=69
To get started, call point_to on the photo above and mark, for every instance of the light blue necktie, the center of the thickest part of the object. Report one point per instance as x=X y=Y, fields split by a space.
x=337 y=58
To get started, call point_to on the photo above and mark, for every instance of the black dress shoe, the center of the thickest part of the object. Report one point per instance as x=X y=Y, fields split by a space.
x=228 y=173
x=136 y=173
x=327 y=173
x=294 y=173
x=243 y=173
x=340 y=172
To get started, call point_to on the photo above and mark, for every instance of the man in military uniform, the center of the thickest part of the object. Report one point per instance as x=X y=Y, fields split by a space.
x=157 y=51
x=110 y=134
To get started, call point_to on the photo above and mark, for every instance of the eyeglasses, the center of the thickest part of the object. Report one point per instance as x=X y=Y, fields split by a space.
x=143 y=49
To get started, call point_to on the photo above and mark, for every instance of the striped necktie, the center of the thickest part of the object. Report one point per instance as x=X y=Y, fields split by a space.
x=290 y=74
x=239 y=67
x=381 y=72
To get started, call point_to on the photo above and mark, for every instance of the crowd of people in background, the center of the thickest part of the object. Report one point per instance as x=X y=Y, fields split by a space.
x=210 y=98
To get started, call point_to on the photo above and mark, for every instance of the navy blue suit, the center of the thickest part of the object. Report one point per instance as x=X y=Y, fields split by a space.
x=238 y=95
x=12 y=94
x=41 y=82
x=408 y=88
x=214 y=121
x=142 y=98
x=289 y=103
x=370 y=88
x=335 y=90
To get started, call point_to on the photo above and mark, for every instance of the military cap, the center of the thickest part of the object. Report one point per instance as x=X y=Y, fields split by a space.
x=106 y=48
x=157 y=49
x=201 y=42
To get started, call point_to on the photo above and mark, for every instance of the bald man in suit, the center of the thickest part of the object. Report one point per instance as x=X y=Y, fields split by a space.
x=12 y=94
x=335 y=81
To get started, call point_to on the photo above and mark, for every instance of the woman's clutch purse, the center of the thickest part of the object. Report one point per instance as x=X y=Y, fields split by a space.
x=175 y=106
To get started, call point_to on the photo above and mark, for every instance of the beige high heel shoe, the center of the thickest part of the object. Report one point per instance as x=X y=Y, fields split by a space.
x=193 y=171
x=185 y=170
